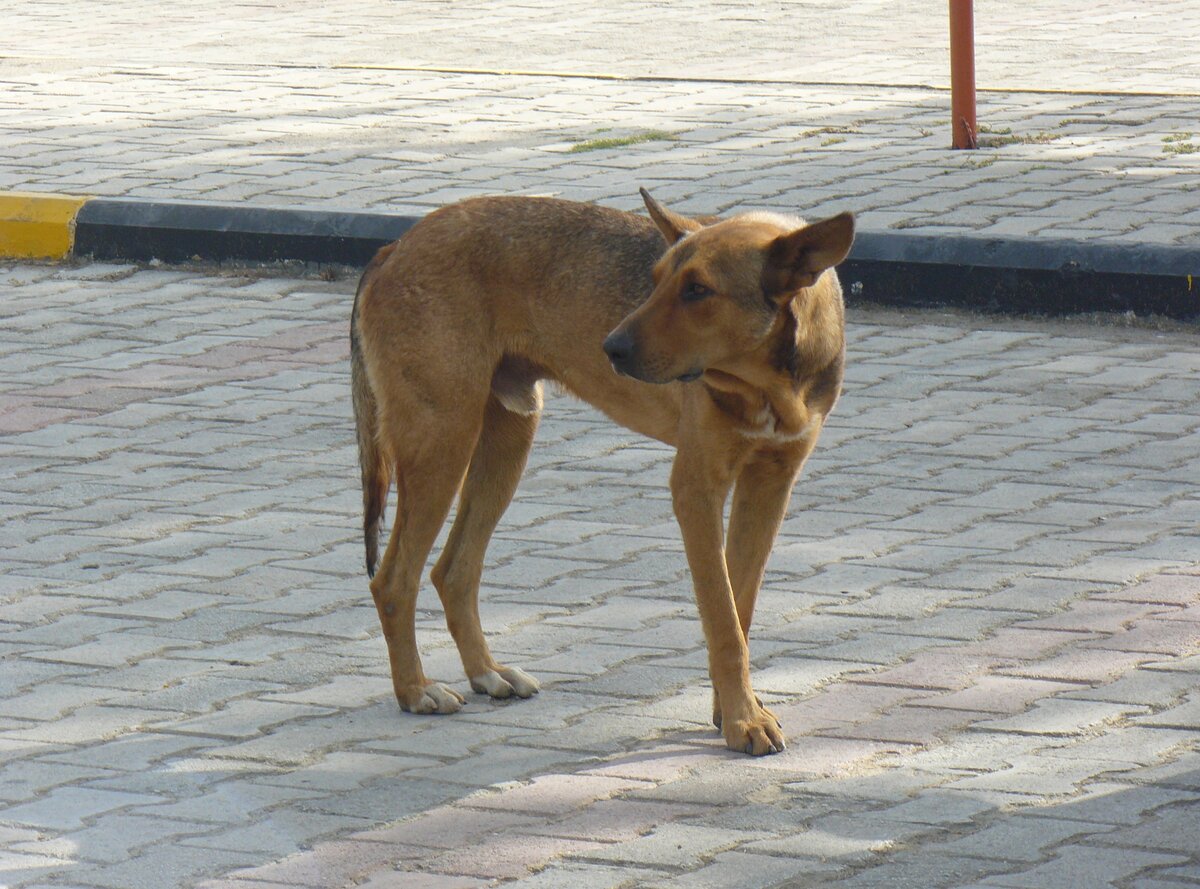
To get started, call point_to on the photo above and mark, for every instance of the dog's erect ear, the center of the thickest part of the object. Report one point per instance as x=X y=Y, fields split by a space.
x=671 y=224
x=796 y=260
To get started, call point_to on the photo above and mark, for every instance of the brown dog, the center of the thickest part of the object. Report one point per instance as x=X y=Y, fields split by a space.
x=735 y=358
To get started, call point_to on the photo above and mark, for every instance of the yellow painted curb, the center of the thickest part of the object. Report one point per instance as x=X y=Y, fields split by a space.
x=37 y=226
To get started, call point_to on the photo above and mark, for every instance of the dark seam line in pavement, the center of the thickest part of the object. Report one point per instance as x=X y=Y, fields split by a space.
x=621 y=78
x=749 y=81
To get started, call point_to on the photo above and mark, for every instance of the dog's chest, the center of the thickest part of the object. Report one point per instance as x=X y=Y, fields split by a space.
x=756 y=419
x=767 y=425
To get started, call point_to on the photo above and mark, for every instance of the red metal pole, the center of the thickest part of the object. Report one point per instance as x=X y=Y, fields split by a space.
x=962 y=73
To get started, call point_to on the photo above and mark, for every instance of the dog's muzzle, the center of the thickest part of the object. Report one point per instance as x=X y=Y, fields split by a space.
x=619 y=347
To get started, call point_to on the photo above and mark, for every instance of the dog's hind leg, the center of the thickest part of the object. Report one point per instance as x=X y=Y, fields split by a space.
x=427 y=477
x=495 y=470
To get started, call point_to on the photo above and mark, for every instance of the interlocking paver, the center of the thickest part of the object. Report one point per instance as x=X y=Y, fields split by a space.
x=66 y=808
x=1085 y=865
x=979 y=628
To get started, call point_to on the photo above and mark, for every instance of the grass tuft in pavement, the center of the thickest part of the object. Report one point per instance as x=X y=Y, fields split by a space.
x=622 y=141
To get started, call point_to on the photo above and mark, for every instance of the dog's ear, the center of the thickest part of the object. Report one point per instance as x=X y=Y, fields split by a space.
x=796 y=260
x=671 y=224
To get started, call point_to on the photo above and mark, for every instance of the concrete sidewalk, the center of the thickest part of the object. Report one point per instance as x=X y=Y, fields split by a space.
x=980 y=625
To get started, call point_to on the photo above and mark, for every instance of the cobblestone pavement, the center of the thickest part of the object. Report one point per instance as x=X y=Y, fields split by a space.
x=980 y=626
x=1037 y=44
x=1093 y=136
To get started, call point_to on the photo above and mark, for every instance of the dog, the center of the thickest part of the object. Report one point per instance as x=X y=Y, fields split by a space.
x=726 y=342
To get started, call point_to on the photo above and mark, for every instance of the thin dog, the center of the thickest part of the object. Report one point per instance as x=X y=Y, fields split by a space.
x=734 y=358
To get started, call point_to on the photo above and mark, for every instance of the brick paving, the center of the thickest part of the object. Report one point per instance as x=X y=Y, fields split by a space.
x=981 y=628
x=981 y=624
x=1089 y=121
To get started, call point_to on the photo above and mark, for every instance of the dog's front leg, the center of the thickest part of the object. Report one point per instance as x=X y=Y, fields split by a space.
x=760 y=500
x=698 y=491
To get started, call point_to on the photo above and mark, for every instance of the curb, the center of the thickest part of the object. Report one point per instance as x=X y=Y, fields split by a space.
x=1023 y=275
x=1007 y=275
x=185 y=232
x=37 y=226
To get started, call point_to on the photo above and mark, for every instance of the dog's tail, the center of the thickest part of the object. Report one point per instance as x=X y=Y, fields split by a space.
x=376 y=470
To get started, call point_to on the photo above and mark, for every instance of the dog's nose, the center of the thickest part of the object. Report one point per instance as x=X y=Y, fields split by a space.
x=618 y=346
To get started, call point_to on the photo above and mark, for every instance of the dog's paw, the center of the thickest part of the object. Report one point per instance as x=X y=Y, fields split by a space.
x=716 y=717
x=505 y=682
x=757 y=735
x=430 y=698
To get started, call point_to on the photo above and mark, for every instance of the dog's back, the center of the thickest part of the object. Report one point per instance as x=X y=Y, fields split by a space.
x=527 y=286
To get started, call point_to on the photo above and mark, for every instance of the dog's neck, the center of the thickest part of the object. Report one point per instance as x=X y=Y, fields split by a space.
x=775 y=391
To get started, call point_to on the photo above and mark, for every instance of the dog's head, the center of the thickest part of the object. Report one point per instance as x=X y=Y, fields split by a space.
x=720 y=288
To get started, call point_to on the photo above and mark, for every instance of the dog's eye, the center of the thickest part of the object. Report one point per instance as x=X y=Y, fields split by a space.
x=694 y=292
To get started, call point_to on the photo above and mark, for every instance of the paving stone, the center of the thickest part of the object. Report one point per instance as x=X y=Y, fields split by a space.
x=499 y=857
x=29 y=867
x=451 y=826
x=85 y=725
x=600 y=876
x=911 y=725
x=1172 y=830
x=749 y=871
x=1178 y=772
x=1112 y=802
x=845 y=839
x=407 y=879
x=1151 y=883
x=946 y=669
x=1165 y=636
x=35 y=778
x=116 y=838
x=999 y=694
x=1061 y=717
x=245 y=719
x=175 y=865
x=236 y=802
x=555 y=794
x=1182 y=872
x=1021 y=839
x=1040 y=777
x=329 y=864
x=1085 y=865
x=1185 y=715
x=1092 y=666
x=671 y=845
x=936 y=807
x=911 y=871
x=66 y=808
x=616 y=820
x=1139 y=687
